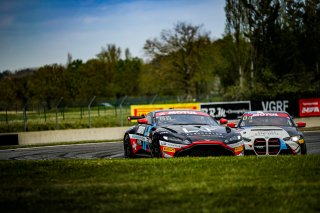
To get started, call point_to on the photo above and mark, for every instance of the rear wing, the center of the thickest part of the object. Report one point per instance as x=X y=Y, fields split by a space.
x=133 y=118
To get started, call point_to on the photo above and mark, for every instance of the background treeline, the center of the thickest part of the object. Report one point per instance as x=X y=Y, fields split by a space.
x=270 y=49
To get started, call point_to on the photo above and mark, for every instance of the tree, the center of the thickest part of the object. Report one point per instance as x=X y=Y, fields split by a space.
x=94 y=79
x=236 y=25
x=7 y=89
x=72 y=78
x=182 y=49
x=126 y=80
x=47 y=84
x=110 y=56
x=284 y=46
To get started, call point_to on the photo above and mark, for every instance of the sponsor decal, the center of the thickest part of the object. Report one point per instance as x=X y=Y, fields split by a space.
x=261 y=114
x=238 y=149
x=173 y=145
x=278 y=105
x=266 y=134
x=139 y=137
x=181 y=113
x=309 y=107
x=203 y=130
x=229 y=110
x=168 y=149
x=134 y=146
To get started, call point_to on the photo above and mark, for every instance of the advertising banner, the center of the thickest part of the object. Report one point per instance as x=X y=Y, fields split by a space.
x=309 y=107
x=277 y=105
x=137 y=110
x=229 y=110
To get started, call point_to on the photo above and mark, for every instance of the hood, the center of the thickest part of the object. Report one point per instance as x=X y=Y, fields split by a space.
x=292 y=131
x=198 y=132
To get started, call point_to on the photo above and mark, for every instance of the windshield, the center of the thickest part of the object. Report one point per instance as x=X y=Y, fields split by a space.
x=183 y=119
x=258 y=120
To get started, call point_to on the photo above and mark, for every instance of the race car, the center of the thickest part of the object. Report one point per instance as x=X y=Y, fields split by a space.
x=270 y=133
x=178 y=133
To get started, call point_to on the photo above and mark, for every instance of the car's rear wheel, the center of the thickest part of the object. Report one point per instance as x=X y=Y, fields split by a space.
x=128 y=153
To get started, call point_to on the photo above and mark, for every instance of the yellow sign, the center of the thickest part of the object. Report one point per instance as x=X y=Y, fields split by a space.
x=138 y=110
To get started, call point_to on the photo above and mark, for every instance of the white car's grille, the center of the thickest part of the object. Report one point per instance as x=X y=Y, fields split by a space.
x=262 y=146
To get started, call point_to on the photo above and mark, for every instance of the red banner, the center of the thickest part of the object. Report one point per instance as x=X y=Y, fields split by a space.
x=309 y=107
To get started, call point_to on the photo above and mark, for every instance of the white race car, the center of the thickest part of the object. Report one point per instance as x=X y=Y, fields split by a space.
x=270 y=133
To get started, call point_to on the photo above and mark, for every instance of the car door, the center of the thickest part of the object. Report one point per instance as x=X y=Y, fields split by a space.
x=144 y=131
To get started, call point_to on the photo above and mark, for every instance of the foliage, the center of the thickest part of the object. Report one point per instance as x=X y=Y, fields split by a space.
x=271 y=49
x=280 y=34
x=181 y=51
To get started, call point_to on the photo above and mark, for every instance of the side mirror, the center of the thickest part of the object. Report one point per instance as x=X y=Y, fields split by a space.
x=223 y=121
x=231 y=125
x=142 y=121
x=301 y=124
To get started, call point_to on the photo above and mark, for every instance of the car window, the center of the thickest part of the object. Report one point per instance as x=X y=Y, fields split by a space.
x=183 y=119
x=149 y=118
x=265 y=121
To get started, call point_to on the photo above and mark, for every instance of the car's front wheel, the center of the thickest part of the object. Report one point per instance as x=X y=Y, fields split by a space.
x=156 y=149
x=304 y=149
x=128 y=153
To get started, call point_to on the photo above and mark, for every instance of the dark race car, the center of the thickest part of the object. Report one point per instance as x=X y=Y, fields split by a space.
x=270 y=133
x=177 y=133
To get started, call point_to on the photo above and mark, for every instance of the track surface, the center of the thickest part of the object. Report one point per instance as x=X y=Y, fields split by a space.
x=104 y=150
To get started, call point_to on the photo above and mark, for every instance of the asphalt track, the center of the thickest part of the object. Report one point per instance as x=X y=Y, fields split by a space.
x=104 y=150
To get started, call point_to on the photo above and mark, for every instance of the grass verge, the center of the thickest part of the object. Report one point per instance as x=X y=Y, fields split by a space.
x=222 y=184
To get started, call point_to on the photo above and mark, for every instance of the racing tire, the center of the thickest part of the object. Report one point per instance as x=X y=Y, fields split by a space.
x=156 y=149
x=304 y=149
x=128 y=153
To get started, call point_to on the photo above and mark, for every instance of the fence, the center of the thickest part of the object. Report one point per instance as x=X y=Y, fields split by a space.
x=61 y=113
x=99 y=112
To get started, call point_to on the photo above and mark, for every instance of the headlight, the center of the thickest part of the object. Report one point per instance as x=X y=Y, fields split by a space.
x=295 y=138
x=234 y=139
x=170 y=138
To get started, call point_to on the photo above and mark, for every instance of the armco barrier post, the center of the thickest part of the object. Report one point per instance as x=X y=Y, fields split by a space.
x=57 y=109
x=153 y=99
x=89 y=110
x=25 y=117
x=121 y=112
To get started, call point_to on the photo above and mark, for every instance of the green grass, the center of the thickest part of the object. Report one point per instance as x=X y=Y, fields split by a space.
x=221 y=184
